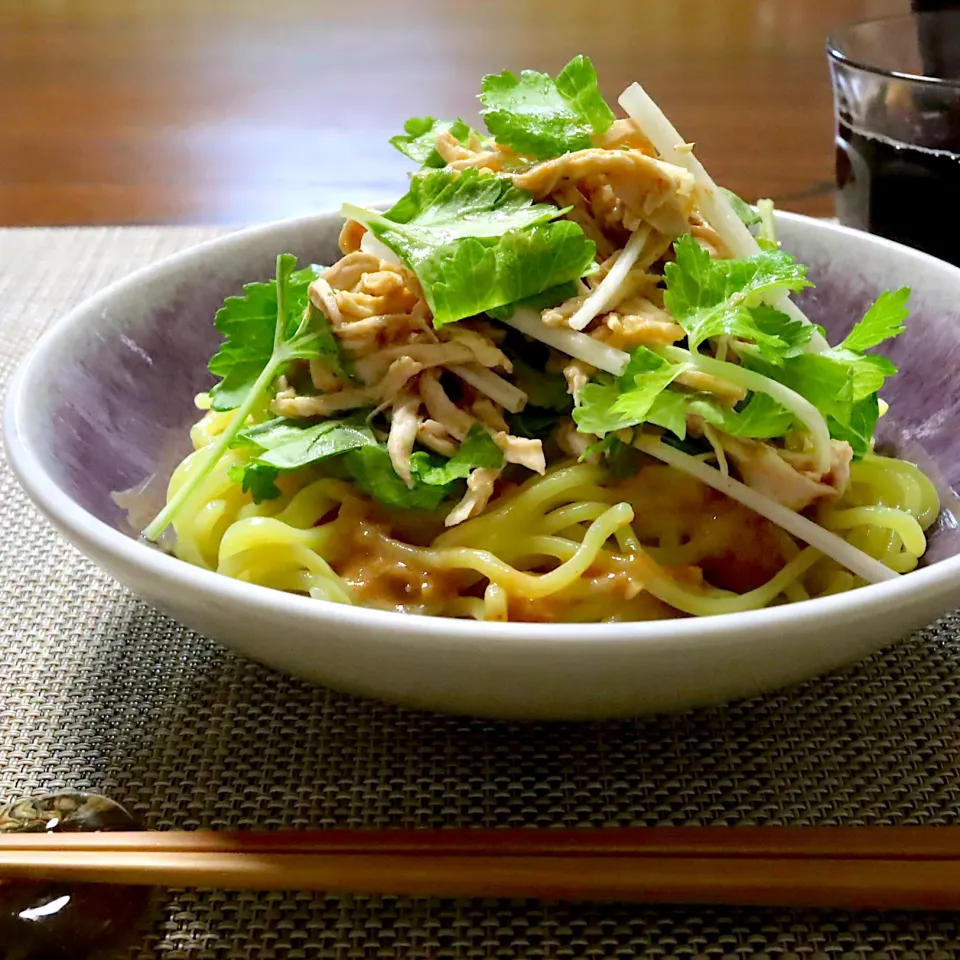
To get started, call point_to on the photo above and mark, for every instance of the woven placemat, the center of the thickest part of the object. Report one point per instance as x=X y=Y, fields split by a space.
x=100 y=692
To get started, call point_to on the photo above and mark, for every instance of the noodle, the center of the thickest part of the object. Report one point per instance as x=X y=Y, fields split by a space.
x=575 y=544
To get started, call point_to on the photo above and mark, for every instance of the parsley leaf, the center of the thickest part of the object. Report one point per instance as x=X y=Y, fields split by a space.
x=759 y=416
x=711 y=298
x=477 y=242
x=372 y=472
x=540 y=117
x=420 y=136
x=258 y=348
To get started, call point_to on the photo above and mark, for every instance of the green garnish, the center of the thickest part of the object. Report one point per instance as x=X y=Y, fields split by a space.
x=540 y=117
x=258 y=348
x=477 y=242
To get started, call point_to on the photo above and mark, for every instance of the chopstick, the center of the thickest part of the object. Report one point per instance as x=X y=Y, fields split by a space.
x=849 y=867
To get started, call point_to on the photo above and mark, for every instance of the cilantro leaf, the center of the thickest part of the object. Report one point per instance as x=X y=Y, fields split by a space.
x=477 y=242
x=606 y=405
x=710 y=298
x=884 y=319
x=541 y=117
x=420 y=136
x=249 y=325
x=259 y=346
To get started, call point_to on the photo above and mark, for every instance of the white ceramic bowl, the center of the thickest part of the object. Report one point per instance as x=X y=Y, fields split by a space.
x=105 y=400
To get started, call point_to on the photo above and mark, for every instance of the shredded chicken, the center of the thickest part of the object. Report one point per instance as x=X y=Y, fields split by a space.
x=765 y=469
x=398 y=374
x=624 y=133
x=372 y=368
x=433 y=435
x=528 y=453
x=568 y=195
x=351 y=235
x=624 y=187
x=480 y=486
x=488 y=414
x=323 y=378
x=322 y=297
x=345 y=274
x=323 y=405
x=404 y=425
x=483 y=349
x=577 y=374
x=639 y=321
x=441 y=408
x=725 y=391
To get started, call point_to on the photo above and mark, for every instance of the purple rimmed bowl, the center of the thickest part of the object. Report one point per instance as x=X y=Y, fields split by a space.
x=129 y=361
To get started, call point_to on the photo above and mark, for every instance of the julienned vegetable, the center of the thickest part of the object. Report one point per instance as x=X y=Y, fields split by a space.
x=566 y=295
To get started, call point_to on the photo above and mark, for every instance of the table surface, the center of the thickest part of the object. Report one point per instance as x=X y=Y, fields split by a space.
x=233 y=111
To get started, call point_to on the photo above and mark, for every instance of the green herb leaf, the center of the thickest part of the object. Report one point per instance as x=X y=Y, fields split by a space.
x=477 y=242
x=420 y=136
x=711 y=298
x=551 y=297
x=606 y=405
x=477 y=450
x=842 y=383
x=257 y=350
x=372 y=472
x=292 y=444
x=249 y=324
x=283 y=445
x=257 y=479
x=884 y=319
x=540 y=117
x=758 y=416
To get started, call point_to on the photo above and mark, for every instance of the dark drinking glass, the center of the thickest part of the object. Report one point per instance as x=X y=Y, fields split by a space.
x=896 y=86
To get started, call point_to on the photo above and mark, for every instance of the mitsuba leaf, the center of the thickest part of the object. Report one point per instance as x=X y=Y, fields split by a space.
x=249 y=322
x=476 y=242
x=418 y=141
x=712 y=297
x=537 y=116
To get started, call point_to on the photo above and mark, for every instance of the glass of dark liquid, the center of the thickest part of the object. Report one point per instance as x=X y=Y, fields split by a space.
x=896 y=86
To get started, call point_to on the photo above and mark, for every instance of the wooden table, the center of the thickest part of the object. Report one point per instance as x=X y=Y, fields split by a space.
x=231 y=111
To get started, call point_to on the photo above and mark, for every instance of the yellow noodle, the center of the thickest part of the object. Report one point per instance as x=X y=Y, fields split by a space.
x=587 y=547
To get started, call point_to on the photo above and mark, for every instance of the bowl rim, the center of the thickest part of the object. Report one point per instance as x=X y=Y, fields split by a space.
x=82 y=527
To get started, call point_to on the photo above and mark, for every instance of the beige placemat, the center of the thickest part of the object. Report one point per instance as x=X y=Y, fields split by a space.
x=98 y=691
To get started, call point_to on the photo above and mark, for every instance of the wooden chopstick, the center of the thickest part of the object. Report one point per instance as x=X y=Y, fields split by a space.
x=849 y=867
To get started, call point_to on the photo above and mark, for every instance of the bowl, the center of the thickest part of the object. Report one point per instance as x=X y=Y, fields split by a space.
x=104 y=401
